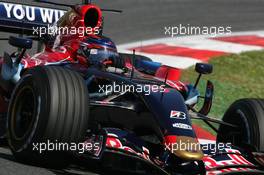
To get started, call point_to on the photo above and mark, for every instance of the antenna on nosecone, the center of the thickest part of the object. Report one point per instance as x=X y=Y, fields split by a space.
x=165 y=83
x=166 y=77
x=133 y=64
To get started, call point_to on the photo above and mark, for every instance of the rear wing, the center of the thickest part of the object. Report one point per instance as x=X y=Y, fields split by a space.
x=22 y=18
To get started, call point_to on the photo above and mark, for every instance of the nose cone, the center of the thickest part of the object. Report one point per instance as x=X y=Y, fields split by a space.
x=186 y=148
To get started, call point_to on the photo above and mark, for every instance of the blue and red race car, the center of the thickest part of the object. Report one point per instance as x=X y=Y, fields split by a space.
x=129 y=112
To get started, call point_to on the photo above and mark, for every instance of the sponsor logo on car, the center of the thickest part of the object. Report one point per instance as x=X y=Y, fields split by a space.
x=182 y=126
x=178 y=115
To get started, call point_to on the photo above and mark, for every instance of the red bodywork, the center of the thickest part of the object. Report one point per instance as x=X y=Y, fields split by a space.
x=66 y=45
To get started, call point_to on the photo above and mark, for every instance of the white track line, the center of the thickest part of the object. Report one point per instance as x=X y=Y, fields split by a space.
x=202 y=42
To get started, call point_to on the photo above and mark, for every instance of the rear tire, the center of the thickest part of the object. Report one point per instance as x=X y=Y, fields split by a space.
x=248 y=115
x=48 y=104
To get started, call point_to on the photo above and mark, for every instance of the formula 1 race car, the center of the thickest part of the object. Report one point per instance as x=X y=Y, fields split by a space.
x=130 y=113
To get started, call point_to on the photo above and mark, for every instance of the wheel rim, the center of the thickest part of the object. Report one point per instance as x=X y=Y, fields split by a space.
x=23 y=113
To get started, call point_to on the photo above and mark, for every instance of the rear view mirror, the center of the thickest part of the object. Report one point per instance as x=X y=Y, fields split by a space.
x=19 y=42
x=203 y=68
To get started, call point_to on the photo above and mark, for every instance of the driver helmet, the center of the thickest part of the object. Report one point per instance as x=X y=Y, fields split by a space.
x=99 y=49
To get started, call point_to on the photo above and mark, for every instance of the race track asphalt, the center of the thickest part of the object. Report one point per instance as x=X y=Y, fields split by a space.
x=146 y=19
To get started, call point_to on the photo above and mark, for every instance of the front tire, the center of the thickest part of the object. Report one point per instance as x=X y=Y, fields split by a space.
x=248 y=115
x=49 y=104
x=3 y=141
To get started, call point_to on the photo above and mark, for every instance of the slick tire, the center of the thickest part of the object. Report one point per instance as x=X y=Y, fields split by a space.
x=48 y=105
x=3 y=141
x=248 y=116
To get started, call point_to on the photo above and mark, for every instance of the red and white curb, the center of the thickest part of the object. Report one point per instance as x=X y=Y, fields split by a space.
x=183 y=52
